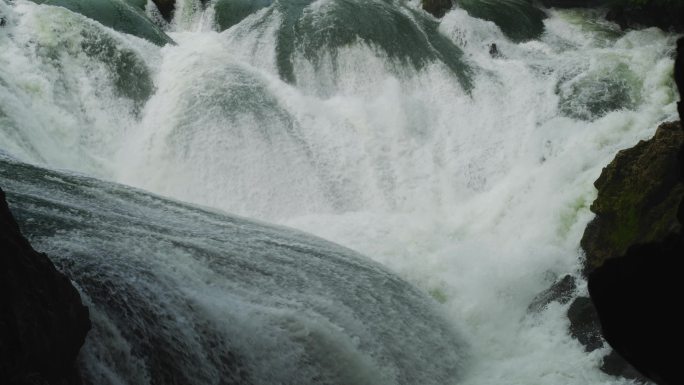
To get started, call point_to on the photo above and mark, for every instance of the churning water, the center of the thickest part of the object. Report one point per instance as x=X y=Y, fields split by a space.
x=365 y=122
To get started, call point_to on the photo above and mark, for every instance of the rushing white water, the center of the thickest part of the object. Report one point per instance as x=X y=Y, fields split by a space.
x=468 y=175
x=182 y=295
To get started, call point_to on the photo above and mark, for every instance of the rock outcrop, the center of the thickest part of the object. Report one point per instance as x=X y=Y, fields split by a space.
x=437 y=7
x=638 y=196
x=561 y=291
x=664 y=14
x=679 y=77
x=636 y=298
x=43 y=322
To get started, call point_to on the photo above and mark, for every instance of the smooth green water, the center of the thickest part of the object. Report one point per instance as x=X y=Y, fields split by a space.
x=230 y=12
x=181 y=294
x=401 y=33
x=519 y=20
x=123 y=16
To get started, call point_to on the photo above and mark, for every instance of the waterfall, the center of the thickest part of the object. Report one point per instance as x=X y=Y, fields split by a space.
x=368 y=123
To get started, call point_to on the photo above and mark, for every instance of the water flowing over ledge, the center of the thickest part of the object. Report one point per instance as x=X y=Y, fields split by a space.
x=468 y=175
x=181 y=294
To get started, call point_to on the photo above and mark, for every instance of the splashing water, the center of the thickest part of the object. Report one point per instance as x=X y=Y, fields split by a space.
x=368 y=123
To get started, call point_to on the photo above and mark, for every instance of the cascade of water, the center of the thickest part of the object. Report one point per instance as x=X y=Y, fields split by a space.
x=368 y=123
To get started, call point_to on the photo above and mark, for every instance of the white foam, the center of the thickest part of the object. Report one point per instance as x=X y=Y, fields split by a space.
x=479 y=197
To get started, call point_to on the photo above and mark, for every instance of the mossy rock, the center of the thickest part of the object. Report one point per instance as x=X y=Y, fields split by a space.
x=638 y=197
x=230 y=12
x=121 y=15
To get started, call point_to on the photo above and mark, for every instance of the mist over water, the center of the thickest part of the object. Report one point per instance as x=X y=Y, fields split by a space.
x=369 y=124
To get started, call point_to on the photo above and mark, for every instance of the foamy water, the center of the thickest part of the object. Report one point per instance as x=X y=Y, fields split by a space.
x=468 y=175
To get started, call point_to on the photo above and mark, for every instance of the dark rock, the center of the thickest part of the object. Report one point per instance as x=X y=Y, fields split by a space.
x=667 y=15
x=636 y=298
x=635 y=294
x=634 y=251
x=637 y=207
x=437 y=7
x=561 y=291
x=43 y=322
x=585 y=326
x=638 y=196
x=494 y=51
x=584 y=323
x=166 y=8
x=615 y=365
x=679 y=76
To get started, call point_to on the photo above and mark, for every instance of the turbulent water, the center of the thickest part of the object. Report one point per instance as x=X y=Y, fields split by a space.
x=366 y=122
x=181 y=295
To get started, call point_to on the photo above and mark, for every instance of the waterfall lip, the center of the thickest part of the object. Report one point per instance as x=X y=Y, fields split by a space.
x=191 y=278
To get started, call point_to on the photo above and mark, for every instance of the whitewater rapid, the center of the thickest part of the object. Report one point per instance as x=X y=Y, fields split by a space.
x=468 y=175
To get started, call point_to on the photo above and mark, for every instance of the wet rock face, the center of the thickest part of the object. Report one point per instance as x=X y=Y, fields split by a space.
x=166 y=8
x=437 y=7
x=638 y=196
x=585 y=327
x=561 y=291
x=43 y=322
x=679 y=76
x=664 y=14
x=637 y=299
x=633 y=252
x=584 y=324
